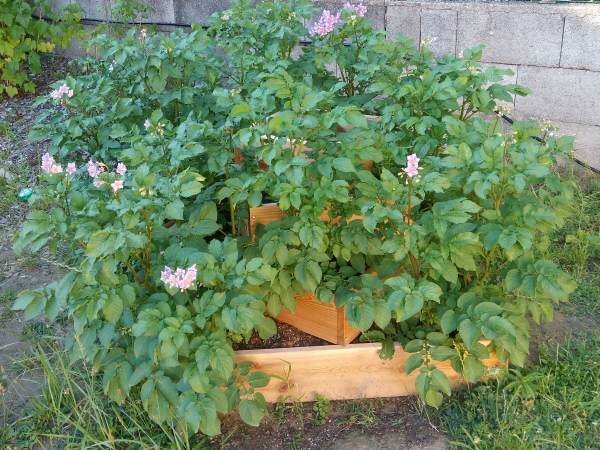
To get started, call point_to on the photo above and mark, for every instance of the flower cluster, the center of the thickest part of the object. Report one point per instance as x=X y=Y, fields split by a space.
x=121 y=169
x=59 y=93
x=412 y=168
x=359 y=9
x=71 y=168
x=49 y=165
x=180 y=279
x=326 y=23
x=95 y=168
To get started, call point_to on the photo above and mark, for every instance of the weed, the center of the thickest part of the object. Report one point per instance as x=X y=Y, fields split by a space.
x=6 y=130
x=359 y=412
x=285 y=412
x=321 y=410
x=296 y=443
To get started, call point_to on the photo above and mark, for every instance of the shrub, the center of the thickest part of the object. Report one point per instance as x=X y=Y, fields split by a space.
x=183 y=132
x=24 y=35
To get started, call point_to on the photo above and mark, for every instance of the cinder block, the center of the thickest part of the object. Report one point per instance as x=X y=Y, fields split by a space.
x=197 y=11
x=512 y=38
x=581 y=43
x=163 y=11
x=440 y=26
x=587 y=141
x=566 y=95
x=404 y=20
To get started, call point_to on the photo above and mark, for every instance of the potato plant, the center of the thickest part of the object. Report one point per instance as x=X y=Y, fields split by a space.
x=404 y=201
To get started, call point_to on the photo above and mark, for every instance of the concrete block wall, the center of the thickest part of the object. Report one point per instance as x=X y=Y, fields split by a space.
x=552 y=48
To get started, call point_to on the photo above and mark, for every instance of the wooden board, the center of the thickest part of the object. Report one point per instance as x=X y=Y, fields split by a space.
x=323 y=320
x=337 y=372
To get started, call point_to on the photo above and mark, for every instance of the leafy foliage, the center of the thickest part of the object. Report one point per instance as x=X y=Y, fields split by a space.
x=213 y=122
x=24 y=36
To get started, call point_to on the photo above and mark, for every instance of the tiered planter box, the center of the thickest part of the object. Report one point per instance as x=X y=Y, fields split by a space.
x=338 y=372
x=323 y=320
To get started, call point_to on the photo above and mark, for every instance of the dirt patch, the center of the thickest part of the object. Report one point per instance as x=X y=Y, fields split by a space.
x=387 y=424
x=561 y=329
x=287 y=336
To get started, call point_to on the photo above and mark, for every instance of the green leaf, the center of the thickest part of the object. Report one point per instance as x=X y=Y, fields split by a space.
x=440 y=380
x=191 y=188
x=434 y=398
x=413 y=362
x=448 y=322
x=174 y=210
x=442 y=353
x=473 y=369
x=356 y=118
x=113 y=308
x=241 y=109
x=489 y=308
x=469 y=332
x=251 y=412
x=258 y=379
x=343 y=165
x=430 y=291
x=382 y=315
x=24 y=299
x=140 y=373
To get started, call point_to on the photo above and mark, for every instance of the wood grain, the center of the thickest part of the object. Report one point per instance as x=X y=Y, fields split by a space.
x=323 y=320
x=337 y=372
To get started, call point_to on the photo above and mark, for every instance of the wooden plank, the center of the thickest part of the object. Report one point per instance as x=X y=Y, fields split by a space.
x=323 y=320
x=337 y=372
x=264 y=215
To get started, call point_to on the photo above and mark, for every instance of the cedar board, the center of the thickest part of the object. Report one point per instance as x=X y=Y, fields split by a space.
x=338 y=372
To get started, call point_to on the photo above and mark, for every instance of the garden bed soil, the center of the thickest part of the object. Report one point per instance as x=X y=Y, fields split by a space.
x=287 y=337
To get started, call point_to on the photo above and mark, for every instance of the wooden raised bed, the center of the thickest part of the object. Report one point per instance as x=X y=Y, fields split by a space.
x=323 y=320
x=338 y=372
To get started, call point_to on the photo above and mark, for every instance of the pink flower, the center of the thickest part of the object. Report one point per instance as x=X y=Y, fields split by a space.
x=59 y=93
x=121 y=169
x=326 y=23
x=359 y=9
x=49 y=165
x=98 y=182
x=94 y=168
x=116 y=185
x=146 y=124
x=412 y=167
x=180 y=279
x=71 y=168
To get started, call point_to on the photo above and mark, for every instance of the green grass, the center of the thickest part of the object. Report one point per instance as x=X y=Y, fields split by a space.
x=73 y=413
x=576 y=247
x=555 y=404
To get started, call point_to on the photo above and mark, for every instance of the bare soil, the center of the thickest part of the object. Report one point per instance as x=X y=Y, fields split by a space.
x=390 y=424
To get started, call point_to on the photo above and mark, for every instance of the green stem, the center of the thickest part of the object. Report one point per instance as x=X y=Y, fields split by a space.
x=232 y=215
